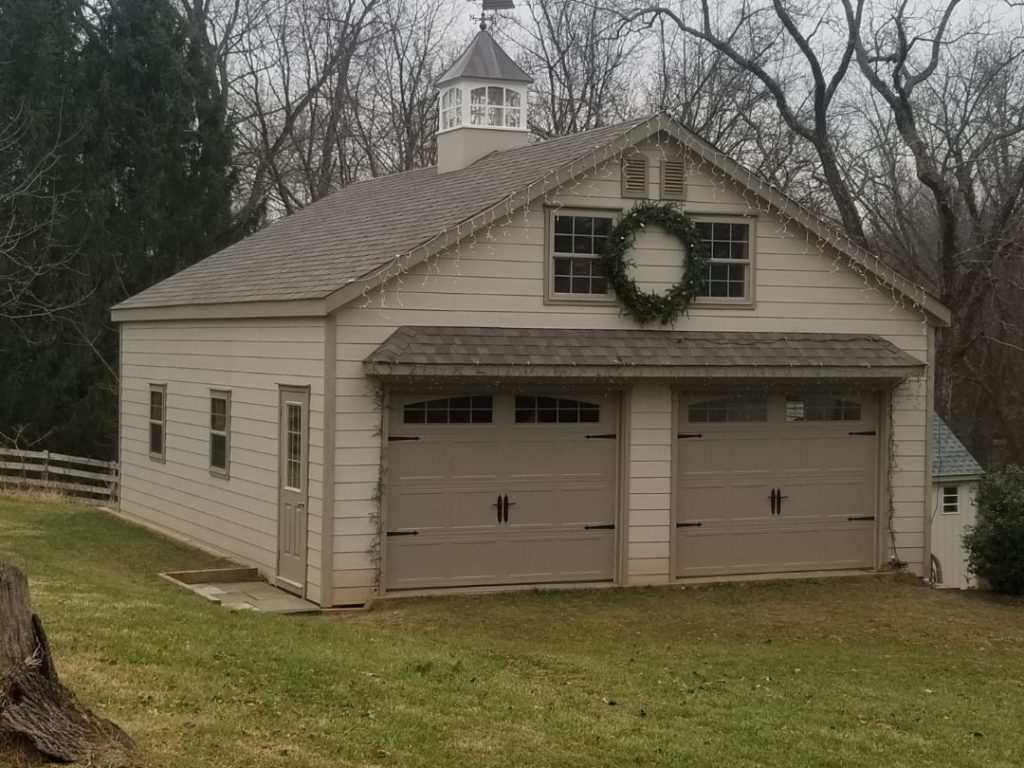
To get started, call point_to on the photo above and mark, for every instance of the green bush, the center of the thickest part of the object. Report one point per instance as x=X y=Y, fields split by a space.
x=995 y=545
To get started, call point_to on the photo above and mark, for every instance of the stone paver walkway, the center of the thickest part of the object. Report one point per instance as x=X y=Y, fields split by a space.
x=248 y=593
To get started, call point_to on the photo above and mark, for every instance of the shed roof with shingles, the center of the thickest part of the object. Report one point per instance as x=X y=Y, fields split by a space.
x=422 y=348
x=364 y=231
x=950 y=457
x=349 y=233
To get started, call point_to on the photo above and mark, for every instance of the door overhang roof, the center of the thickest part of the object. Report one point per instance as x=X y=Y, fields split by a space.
x=464 y=352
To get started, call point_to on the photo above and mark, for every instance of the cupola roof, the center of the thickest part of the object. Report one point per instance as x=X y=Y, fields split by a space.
x=484 y=59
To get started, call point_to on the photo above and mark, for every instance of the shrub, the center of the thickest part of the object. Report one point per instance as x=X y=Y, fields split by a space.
x=995 y=545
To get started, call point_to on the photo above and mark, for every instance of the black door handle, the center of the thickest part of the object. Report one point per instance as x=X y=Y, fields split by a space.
x=498 y=506
x=778 y=501
x=771 y=496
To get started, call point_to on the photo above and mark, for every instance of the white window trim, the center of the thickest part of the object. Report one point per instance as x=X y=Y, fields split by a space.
x=748 y=301
x=150 y=421
x=467 y=87
x=942 y=499
x=550 y=297
x=225 y=471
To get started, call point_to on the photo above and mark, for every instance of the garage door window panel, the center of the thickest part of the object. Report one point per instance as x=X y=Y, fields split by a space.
x=728 y=410
x=468 y=409
x=816 y=407
x=539 y=409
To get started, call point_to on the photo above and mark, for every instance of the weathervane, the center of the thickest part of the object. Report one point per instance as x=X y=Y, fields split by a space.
x=492 y=6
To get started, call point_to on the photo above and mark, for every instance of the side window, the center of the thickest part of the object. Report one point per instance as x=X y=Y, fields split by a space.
x=493 y=105
x=475 y=409
x=532 y=409
x=451 y=109
x=220 y=432
x=821 y=408
x=951 y=500
x=158 y=421
x=728 y=249
x=577 y=241
x=724 y=410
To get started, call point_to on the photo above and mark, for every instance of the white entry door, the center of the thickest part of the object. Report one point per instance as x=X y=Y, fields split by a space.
x=293 y=493
x=776 y=483
x=490 y=488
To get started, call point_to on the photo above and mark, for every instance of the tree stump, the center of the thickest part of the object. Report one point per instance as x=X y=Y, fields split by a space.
x=41 y=720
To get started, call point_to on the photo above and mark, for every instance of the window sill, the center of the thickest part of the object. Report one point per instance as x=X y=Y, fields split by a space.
x=160 y=458
x=565 y=299
x=704 y=303
x=223 y=474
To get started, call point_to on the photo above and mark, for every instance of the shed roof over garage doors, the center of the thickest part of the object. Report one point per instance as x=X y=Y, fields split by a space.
x=428 y=351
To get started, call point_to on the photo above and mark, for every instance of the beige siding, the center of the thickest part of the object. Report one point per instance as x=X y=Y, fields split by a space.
x=948 y=531
x=237 y=516
x=497 y=278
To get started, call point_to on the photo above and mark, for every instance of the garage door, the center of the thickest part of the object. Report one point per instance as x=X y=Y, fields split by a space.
x=777 y=483
x=500 y=489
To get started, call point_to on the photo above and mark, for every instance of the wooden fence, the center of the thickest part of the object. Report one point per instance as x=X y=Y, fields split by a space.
x=87 y=480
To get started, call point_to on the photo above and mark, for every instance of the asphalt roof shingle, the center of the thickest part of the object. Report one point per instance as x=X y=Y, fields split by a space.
x=950 y=458
x=423 y=346
x=348 y=234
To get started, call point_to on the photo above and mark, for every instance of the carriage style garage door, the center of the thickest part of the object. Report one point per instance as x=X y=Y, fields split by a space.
x=500 y=489
x=776 y=483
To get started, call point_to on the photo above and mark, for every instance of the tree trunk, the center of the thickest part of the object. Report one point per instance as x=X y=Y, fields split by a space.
x=39 y=717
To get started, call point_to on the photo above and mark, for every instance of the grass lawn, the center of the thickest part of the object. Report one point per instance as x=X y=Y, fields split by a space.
x=864 y=672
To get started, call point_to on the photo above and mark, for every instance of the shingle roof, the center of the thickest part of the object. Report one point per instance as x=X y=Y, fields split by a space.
x=485 y=60
x=424 y=348
x=346 y=235
x=950 y=458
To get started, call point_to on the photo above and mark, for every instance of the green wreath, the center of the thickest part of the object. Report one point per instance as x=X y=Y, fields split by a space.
x=642 y=306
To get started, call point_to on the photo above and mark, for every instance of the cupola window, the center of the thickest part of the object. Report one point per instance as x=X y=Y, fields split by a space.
x=451 y=108
x=494 y=105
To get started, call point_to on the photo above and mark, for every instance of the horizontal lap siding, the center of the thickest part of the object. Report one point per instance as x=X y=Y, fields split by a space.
x=236 y=517
x=497 y=280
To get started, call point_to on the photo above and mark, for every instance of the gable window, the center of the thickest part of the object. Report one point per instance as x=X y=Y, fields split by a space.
x=157 y=421
x=577 y=241
x=493 y=105
x=555 y=410
x=475 y=409
x=451 y=108
x=726 y=410
x=729 y=260
x=220 y=425
x=950 y=500
x=821 y=408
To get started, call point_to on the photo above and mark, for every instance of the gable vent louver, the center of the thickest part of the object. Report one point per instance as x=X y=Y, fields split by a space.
x=634 y=176
x=673 y=180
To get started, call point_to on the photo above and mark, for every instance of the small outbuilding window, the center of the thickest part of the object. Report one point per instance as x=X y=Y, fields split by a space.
x=728 y=410
x=950 y=500
x=495 y=106
x=577 y=241
x=451 y=109
x=476 y=409
x=158 y=421
x=729 y=260
x=555 y=410
x=821 y=408
x=220 y=426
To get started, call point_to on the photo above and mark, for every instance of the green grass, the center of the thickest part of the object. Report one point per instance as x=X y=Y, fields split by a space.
x=865 y=672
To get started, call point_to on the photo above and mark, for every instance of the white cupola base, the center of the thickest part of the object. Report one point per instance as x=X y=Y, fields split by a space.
x=483 y=105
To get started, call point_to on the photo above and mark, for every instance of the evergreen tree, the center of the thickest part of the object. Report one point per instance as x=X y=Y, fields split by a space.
x=149 y=170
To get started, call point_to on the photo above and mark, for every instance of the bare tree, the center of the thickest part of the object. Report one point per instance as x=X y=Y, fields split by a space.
x=26 y=255
x=584 y=70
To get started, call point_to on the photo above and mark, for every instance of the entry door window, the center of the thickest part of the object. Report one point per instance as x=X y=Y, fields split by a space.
x=293 y=455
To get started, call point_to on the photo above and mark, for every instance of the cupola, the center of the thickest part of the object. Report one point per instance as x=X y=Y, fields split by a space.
x=483 y=105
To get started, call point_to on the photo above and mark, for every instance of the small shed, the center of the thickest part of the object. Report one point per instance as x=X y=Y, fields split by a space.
x=955 y=476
